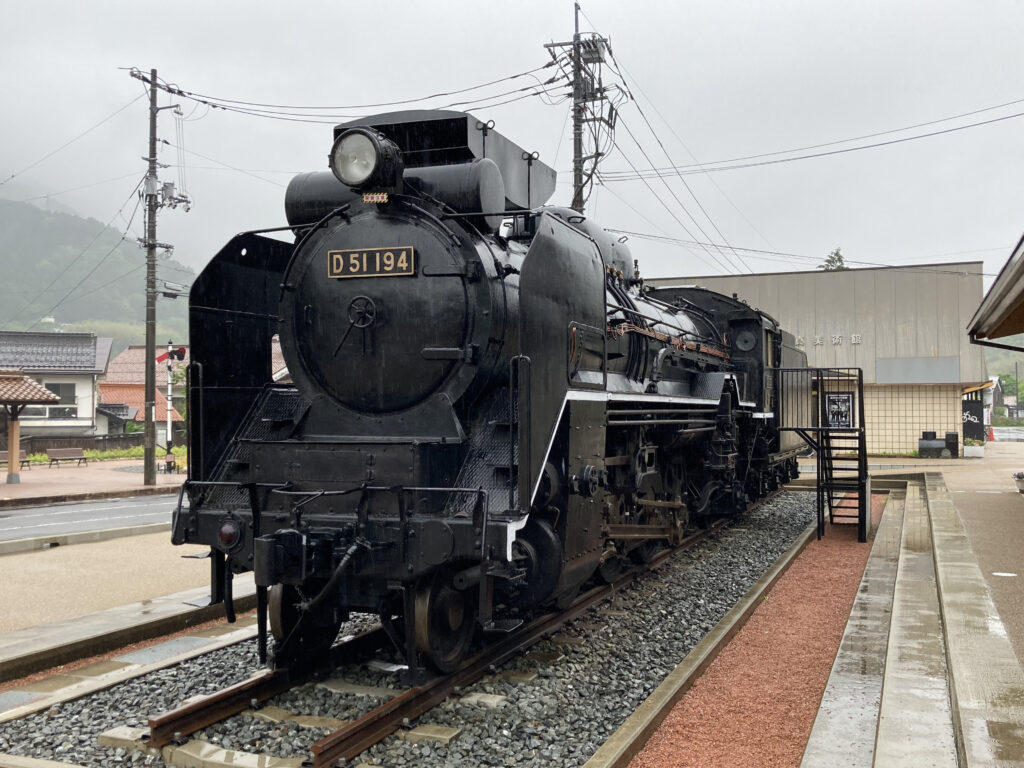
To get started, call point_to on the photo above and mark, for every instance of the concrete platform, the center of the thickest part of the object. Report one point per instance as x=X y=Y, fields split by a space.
x=948 y=690
x=97 y=480
x=29 y=650
x=992 y=514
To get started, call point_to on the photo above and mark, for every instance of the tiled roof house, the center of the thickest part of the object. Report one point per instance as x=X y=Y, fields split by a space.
x=67 y=364
x=129 y=367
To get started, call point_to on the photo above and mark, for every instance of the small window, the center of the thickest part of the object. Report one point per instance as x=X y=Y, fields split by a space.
x=66 y=392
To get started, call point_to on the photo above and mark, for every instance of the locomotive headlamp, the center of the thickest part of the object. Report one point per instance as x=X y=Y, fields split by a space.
x=363 y=158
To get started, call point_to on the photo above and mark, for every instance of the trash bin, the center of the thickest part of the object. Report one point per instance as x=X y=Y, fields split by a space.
x=953 y=444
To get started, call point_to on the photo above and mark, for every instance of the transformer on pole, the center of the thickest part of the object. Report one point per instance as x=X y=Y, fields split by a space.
x=587 y=53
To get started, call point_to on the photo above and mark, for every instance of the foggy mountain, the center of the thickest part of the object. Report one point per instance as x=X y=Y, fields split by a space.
x=64 y=272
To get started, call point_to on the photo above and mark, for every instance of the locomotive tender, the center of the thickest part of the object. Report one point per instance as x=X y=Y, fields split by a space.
x=488 y=410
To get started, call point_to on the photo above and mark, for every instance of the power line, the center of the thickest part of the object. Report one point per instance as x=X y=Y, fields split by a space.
x=674 y=216
x=312 y=114
x=70 y=141
x=228 y=166
x=482 y=103
x=867 y=135
x=240 y=170
x=724 y=262
x=96 y=266
x=131 y=271
x=621 y=71
x=203 y=98
x=78 y=189
x=81 y=253
x=603 y=146
x=705 y=168
x=802 y=257
x=688 y=189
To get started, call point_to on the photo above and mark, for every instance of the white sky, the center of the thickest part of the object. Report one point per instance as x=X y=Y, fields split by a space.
x=730 y=78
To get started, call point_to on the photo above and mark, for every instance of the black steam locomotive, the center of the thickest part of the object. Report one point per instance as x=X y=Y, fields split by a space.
x=487 y=407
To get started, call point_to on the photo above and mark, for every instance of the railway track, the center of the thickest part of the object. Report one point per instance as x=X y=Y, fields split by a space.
x=396 y=709
x=362 y=733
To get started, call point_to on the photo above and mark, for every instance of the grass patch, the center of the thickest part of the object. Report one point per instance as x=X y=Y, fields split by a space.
x=1003 y=421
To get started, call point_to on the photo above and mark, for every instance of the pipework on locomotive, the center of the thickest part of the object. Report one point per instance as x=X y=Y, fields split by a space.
x=487 y=407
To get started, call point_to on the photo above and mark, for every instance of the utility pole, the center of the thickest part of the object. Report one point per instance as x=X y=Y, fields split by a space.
x=157 y=196
x=586 y=55
x=151 y=188
x=577 y=116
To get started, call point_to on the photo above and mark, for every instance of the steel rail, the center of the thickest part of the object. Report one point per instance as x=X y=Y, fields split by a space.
x=173 y=725
x=361 y=734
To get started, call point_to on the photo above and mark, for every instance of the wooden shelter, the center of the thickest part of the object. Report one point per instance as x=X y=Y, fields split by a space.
x=16 y=391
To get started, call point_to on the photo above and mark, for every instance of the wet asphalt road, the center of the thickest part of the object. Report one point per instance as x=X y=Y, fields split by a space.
x=56 y=519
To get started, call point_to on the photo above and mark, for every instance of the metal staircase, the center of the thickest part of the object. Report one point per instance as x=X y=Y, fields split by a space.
x=825 y=406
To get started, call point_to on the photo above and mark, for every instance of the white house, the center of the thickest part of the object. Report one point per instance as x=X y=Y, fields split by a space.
x=68 y=364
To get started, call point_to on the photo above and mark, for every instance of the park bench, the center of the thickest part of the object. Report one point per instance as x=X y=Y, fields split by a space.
x=57 y=455
x=22 y=458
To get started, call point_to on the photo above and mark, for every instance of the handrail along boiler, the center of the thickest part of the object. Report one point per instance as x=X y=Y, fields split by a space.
x=488 y=407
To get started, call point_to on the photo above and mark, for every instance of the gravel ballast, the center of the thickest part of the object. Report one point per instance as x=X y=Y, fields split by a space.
x=623 y=650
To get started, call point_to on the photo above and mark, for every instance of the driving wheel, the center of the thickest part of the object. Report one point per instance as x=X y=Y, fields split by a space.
x=299 y=639
x=445 y=619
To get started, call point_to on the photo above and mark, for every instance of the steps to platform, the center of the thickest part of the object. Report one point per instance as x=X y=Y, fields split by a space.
x=925 y=674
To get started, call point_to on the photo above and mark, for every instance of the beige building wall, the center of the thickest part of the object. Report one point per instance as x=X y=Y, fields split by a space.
x=904 y=327
x=896 y=415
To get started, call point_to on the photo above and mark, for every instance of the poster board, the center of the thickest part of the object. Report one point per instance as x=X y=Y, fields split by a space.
x=839 y=409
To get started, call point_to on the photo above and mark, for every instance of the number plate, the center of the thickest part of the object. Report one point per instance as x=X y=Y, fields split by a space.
x=372 y=262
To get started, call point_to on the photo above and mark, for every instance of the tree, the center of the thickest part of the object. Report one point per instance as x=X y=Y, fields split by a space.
x=833 y=262
x=1009 y=384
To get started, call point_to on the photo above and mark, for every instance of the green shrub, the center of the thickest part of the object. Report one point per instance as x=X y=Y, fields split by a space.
x=135 y=452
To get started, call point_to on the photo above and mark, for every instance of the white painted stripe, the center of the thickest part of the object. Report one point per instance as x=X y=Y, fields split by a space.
x=1004 y=573
x=120 y=520
x=642 y=397
x=50 y=512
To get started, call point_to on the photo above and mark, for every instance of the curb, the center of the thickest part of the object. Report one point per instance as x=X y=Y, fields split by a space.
x=81 y=537
x=85 y=647
x=620 y=748
x=35 y=501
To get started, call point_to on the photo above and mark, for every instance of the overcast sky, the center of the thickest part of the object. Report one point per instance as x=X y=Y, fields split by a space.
x=717 y=80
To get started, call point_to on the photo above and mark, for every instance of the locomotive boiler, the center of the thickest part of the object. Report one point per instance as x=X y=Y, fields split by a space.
x=486 y=407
